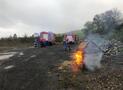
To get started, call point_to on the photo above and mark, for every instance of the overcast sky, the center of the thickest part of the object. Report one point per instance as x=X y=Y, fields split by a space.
x=30 y=16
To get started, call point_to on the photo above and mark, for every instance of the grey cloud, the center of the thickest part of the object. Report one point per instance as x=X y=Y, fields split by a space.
x=54 y=15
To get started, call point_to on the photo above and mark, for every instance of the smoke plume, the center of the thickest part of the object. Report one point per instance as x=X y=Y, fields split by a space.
x=96 y=45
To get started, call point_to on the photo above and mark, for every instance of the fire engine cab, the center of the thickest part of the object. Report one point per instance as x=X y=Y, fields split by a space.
x=70 y=37
x=44 y=39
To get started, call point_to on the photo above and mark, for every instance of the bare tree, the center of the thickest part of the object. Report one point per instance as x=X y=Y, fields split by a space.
x=107 y=21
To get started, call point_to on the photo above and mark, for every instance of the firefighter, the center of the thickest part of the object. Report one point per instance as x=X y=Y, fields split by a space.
x=65 y=45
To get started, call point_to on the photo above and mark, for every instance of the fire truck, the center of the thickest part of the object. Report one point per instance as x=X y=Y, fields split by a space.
x=69 y=40
x=44 y=39
x=71 y=37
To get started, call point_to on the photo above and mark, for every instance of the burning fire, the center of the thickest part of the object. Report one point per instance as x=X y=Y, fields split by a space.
x=78 y=58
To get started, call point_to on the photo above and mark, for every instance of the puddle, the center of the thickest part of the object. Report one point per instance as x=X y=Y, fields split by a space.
x=4 y=56
x=9 y=67
x=21 y=53
x=33 y=56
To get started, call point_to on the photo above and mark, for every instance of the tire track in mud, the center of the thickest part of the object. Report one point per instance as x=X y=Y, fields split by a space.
x=30 y=71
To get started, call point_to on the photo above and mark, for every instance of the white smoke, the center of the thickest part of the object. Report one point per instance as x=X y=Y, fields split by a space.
x=94 y=51
x=92 y=61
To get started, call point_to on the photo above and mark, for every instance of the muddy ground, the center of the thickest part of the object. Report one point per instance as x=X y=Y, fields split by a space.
x=37 y=69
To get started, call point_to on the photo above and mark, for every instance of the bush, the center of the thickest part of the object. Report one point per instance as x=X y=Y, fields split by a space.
x=59 y=38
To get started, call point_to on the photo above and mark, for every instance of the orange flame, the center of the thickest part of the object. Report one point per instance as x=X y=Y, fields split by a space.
x=78 y=58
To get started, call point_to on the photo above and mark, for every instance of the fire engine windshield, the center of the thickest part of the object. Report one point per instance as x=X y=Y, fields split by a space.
x=45 y=36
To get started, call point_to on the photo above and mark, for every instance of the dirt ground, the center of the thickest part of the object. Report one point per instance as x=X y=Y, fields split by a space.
x=37 y=69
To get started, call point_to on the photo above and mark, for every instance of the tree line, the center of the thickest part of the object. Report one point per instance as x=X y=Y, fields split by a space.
x=17 y=41
x=109 y=23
